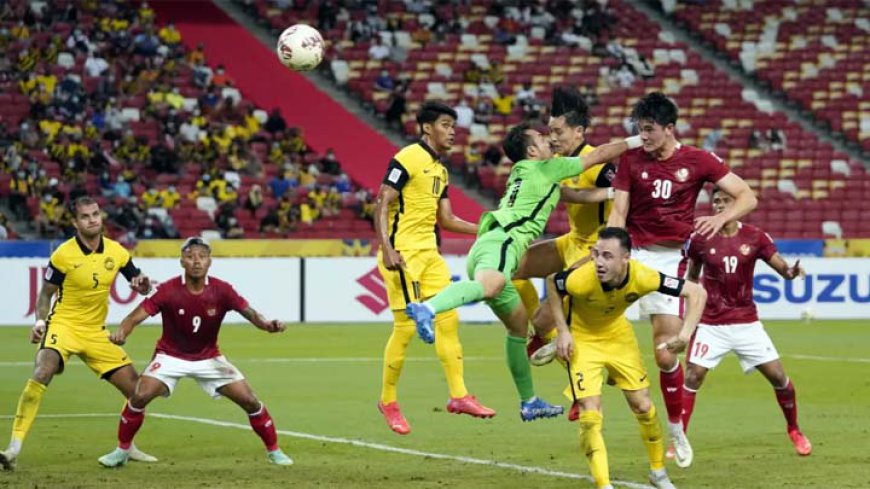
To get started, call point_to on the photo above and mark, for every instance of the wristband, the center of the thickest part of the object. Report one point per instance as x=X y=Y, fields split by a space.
x=40 y=322
x=611 y=193
x=633 y=142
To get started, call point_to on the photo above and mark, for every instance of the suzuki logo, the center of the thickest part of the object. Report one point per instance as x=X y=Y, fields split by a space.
x=376 y=300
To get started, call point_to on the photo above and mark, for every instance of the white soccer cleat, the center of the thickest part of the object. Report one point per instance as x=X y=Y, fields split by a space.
x=660 y=480
x=137 y=455
x=7 y=460
x=115 y=458
x=278 y=457
x=543 y=355
x=683 y=453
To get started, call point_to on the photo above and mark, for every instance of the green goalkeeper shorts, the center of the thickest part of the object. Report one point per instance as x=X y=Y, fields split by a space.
x=495 y=250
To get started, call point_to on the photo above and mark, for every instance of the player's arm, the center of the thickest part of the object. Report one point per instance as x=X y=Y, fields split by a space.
x=744 y=203
x=43 y=306
x=257 y=319
x=395 y=179
x=693 y=270
x=696 y=299
x=609 y=152
x=448 y=221
x=135 y=318
x=138 y=280
x=556 y=289
x=586 y=195
x=619 y=211
x=786 y=271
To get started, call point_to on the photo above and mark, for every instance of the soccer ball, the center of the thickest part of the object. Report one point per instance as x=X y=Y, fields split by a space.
x=300 y=47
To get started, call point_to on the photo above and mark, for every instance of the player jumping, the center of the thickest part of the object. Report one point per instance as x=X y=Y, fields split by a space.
x=656 y=190
x=193 y=307
x=600 y=337
x=730 y=322
x=504 y=235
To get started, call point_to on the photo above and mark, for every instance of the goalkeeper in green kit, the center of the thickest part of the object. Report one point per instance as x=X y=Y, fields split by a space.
x=504 y=235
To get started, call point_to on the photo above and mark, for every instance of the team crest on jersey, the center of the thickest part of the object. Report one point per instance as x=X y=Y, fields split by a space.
x=211 y=312
x=745 y=249
x=644 y=175
x=631 y=297
x=109 y=263
x=181 y=312
x=681 y=175
x=712 y=251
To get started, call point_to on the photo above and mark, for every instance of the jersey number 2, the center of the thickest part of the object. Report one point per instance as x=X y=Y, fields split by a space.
x=662 y=189
x=197 y=322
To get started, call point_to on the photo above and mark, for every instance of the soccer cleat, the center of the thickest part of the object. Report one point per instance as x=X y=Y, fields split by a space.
x=278 y=457
x=115 y=458
x=7 y=460
x=394 y=417
x=801 y=443
x=422 y=316
x=682 y=448
x=469 y=405
x=540 y=353
x=669 y=453
x=659 y=479
x=574 y=412
x=536 y=408
x=137 y=455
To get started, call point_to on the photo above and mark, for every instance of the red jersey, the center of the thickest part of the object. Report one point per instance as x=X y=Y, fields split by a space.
x=191 y=322
x=663 y=193
x=729 y=266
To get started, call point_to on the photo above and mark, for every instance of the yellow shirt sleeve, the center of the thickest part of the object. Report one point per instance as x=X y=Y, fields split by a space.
x=648 y=279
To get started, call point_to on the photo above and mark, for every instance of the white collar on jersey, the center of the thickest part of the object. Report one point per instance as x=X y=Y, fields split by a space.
x=184 y=282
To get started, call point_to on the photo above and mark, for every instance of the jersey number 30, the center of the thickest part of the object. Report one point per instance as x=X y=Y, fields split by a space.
x=662 y=189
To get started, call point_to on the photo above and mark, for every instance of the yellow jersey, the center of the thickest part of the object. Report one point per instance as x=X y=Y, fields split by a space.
x=597 y=310
x=85 y=278
x=421 y=180
x=587 y=219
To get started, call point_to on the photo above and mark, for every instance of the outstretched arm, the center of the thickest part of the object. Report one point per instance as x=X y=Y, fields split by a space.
x=585 y=195
x=609 y=151
x=619 y=211
x=744 y=203
x=449 y=222
x=778 y=263
x=272 y=326
x=132 y=320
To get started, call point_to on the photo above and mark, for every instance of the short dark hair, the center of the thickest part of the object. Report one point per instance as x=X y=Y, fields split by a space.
x=716 y=188
x=195 y=241
x=517 y=141
x=656 y=107
x=81 y=202
x=568 y=102
x=618 y=234
x=431 y=110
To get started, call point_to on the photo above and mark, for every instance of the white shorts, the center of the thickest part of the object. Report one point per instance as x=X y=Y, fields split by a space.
x=210 y=374
x=669 y=261
x=749 y=341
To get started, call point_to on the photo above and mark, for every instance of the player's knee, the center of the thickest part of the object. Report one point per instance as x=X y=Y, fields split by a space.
x=45 y=371
x=666 y=360
x=251 y=404
x=641 y=405
x=590 y=420
x=694 y=377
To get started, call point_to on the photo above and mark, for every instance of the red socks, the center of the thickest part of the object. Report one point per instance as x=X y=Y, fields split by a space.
x=688 y=406
x=131 y=421
x=263 y=425
x=788 y=403
x=672 y=391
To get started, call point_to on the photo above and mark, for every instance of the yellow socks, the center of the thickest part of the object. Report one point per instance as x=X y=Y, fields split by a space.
x=651 y=434
x=449 y=351
x=528 y=295
x=28 y=406
x=592 y=445
x=394 y=354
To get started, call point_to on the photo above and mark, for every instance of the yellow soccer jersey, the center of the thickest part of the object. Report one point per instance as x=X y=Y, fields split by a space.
x=421 y=180
x=85 y=278
x=587 y=219
x=598 y=309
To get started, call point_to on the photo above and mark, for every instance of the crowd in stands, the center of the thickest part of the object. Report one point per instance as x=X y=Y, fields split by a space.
x=102 y=100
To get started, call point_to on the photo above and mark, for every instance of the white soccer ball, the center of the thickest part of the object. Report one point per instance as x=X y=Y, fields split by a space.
x=300 y=47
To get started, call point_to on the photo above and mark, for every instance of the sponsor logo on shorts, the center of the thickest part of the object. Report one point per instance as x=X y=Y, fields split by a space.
x=154 y=366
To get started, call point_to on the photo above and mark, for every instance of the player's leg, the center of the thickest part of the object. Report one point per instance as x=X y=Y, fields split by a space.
x=399 y=293
x=112 y=364
x=755 y=349
x=585 y=370
x=651 y=434
x=695 y=375
x=145 y=390
x=671 y=377
x=261 y=421
x=48 y=363
x=540 y=260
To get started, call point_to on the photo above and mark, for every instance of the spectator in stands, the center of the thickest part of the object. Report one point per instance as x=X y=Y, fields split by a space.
x=254 y=200
x=146 y=43
x=474 y=73
x=378 y=51
x=757 y=140
x=50 y=210
x=711 y=141
x=332 y=206
x=397 y=107
x=20 y=188
x=151 y=228
x=4 y=227
x=343 y=184
x=279 y=185
x=287 y=214
x=169 y=197
x=384 y=82
x=151 y=198
x=464 y=114
x=329 y=164
x=776 y=139
x=492 y=156
x=122 y=188
x=644 y=68
x=196 y=56
x=228 y=223
x=95 y=65
x=275 y=123
x=170 y=35
x=220 y=78
x=201 y=75
x=307 y=212
x=503 y=103
x=366 y=203
x=483 y=110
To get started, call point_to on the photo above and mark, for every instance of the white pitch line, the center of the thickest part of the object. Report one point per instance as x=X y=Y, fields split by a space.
x=527 y=469
x=830 y=359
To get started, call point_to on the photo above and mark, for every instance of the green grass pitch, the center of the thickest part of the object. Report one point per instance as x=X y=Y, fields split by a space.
x=324 y=380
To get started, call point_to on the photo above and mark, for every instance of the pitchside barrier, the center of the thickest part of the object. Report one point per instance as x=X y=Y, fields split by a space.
x=351 y=289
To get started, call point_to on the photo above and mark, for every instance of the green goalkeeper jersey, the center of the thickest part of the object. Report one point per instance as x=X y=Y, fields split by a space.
x=531 y=194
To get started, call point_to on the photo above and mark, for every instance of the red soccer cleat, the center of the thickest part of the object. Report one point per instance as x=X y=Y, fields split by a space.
x=394 y=417
x=469 y=405
x=801 y=443
x=535 y=343
x=574 y=412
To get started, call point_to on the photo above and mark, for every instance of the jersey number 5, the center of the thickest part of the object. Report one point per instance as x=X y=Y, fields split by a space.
x=662 y=189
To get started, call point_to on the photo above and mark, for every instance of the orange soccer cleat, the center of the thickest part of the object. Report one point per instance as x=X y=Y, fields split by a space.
x=469 y=405
x=394 y=417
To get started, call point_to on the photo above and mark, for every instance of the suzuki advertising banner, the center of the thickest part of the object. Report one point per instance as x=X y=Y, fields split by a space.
x=352 y=290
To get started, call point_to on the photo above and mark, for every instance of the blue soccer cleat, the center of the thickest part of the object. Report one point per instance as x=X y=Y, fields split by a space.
x=536 y=408
x=423 y=317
